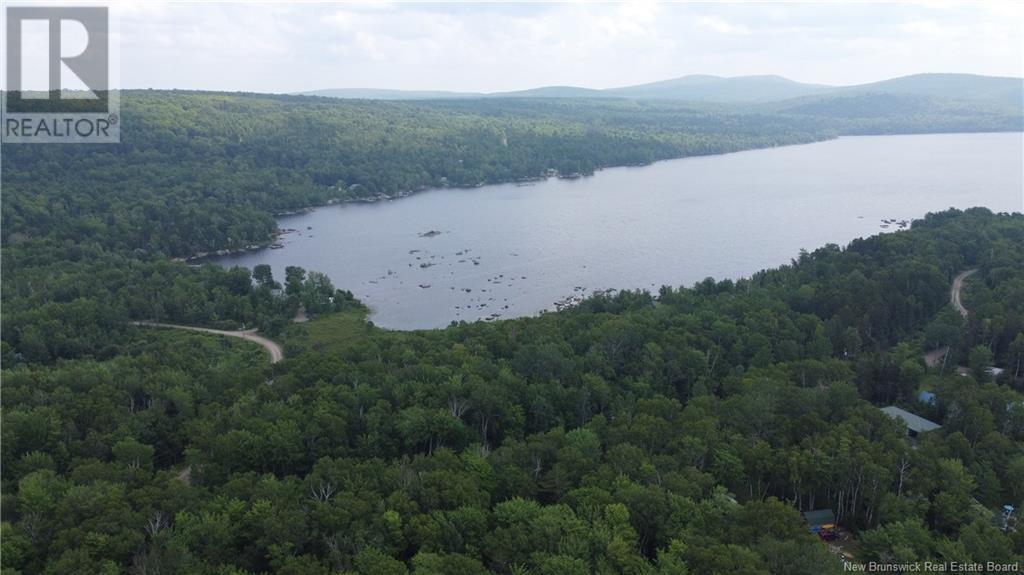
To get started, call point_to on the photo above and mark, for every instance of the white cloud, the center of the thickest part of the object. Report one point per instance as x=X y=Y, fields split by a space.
x=491 y=47
x=721 y=26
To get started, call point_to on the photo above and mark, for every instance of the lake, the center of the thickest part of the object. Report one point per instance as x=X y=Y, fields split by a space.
x=511 y=250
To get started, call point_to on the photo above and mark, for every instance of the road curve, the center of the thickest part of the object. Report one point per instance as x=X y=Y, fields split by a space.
x=276 y=354
x=958 y=286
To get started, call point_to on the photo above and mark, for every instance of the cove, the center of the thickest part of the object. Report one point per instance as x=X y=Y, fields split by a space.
x=511 y=250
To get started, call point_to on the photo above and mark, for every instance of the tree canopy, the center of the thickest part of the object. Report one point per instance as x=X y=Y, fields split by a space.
x=677 y=432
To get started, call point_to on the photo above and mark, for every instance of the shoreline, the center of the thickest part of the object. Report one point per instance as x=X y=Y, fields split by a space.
x=526 y=180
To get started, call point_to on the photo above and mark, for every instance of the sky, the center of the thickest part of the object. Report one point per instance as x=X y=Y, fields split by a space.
x=489 y=47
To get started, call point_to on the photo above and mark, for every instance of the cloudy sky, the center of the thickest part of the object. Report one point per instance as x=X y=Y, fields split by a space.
x=268 y=47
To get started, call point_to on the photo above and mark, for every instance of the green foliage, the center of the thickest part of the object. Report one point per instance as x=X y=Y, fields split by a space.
x=636 y=433
x=632 y=434
x=200 y=172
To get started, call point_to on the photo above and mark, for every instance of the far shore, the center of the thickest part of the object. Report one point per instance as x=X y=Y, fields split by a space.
x=382 y=197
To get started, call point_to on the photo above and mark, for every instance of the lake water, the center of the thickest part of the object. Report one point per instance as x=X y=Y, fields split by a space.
x=512 y=250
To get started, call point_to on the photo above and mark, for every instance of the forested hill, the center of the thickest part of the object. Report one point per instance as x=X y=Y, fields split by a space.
x=198 y=171
x=676 y=433
x=998 y=90
x=983 y=90
x=202 y=171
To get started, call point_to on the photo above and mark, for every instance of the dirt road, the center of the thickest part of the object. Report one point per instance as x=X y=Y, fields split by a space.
x=276 y=354
x=955 y=291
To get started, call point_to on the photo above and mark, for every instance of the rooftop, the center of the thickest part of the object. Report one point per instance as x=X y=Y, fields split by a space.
x=913 y=422
x=820 y=517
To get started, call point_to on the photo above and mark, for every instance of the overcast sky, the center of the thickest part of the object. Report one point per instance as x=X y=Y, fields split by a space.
x=493 y=47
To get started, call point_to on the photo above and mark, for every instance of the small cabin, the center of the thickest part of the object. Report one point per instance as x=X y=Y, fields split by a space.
x=915 y=423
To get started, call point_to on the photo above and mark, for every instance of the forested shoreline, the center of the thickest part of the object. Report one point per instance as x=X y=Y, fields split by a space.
x=89 y=229
x=676 y=432
x=202 y=171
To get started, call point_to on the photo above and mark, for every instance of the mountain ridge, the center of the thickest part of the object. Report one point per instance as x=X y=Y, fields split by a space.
x=1003 y=90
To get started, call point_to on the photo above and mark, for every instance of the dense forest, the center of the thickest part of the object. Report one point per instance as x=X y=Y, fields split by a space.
x=677 y=432
x=198 y=172
x=89 y=229
x=204 y=171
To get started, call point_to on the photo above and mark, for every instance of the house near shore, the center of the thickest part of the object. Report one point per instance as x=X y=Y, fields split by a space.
x=819 y=518
x=915 y=423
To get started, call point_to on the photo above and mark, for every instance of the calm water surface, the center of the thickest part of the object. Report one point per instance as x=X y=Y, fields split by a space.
x=512 y=250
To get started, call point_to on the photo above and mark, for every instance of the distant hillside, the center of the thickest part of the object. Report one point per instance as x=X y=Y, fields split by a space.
x=855 y=112
x=993 y=89
x=918 y=103
x=554 y=92
x=1004 y=92
x=717 y=89
x=855 y=105
x=383 y=94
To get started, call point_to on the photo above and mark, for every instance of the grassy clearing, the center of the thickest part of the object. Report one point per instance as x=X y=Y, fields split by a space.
x=326 y=333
